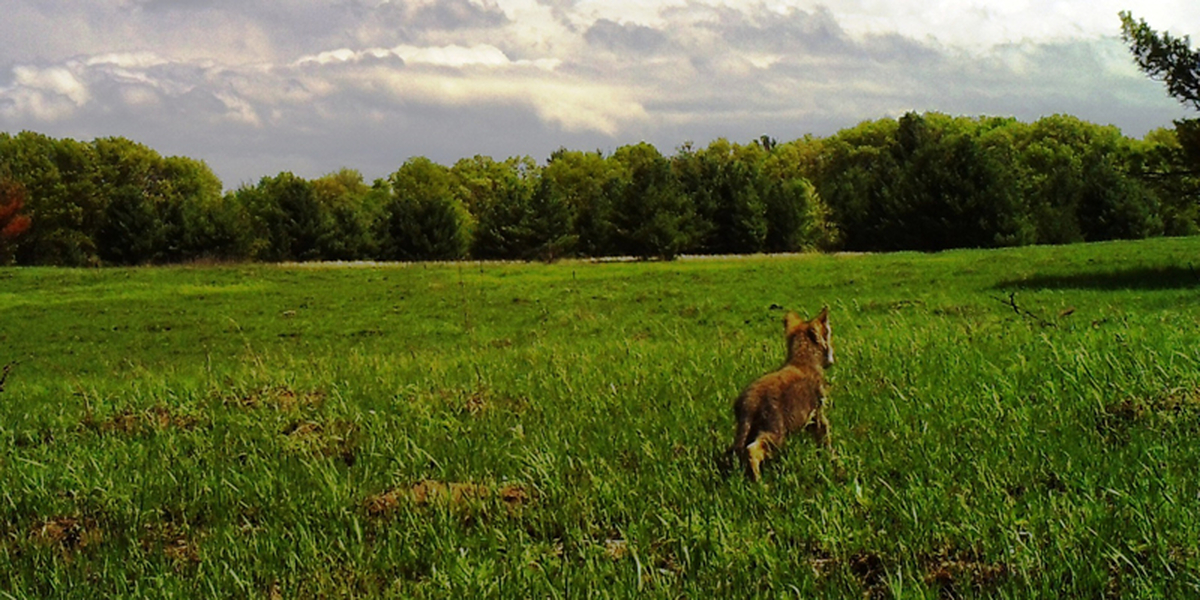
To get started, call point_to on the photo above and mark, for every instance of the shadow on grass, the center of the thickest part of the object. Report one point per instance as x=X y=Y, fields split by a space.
x=1145 y=278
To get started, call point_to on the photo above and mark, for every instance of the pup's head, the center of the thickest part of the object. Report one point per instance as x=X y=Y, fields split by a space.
x=808 y=340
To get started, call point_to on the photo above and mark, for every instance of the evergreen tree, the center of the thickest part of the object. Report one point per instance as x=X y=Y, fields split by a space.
x=424 y=219
x=651 y=216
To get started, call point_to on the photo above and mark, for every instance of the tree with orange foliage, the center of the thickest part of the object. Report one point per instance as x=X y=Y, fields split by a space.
x=12 y=222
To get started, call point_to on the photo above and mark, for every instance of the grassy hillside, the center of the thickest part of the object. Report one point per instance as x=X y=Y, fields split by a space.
x=1011 y=423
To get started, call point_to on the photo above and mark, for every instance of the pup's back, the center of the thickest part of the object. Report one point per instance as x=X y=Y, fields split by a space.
x=789 y=399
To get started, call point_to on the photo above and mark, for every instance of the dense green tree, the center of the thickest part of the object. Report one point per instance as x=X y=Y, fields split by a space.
x=797 y=217
x=955 y=191
x=480 y=181
x=550 y=224
x=1114 y=206
x=1077 y=184
x=519 y=217
x=931 y=182
x=651 y=215
x=575 y=183
x=851 y=171
x=353 y=208
x=62 y=202
x=1158 y=161
x=498 y=195
x=1175 y=170
x=287 y=220
x=919 y=182
x=130 y=177
x=198 y=220
x=727 y=188
x=424 y=219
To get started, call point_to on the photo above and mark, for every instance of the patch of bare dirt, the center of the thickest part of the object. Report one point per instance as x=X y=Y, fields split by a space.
x=954 y=572
x=68 y=534
x=138 y=422
x=1117 y=418
x=428 y=492
x=868 y=567
x=616 y=548
x=174 y=543
x=276 y=397
x=475 y=402
x=333 y=438
x=1178 y=401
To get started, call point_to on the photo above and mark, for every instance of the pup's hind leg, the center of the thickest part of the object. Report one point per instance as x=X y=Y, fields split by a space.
x=819 y=428
x=759 y=450
x=820 y=432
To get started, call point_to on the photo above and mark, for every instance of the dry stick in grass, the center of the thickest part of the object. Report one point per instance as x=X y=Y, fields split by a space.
x=1012 y=303
x=4 y=375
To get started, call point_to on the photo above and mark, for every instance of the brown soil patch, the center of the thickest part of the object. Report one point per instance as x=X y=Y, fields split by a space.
x=277 y=397
x=334 y=438
x=68 y=534
x=616 y=549
x=1116 y=419
x=428 y=492
x=474 y=402
x=173 y=542
x=953 y=574
x=138 y=422
x=1178 y=400
x=869 y=569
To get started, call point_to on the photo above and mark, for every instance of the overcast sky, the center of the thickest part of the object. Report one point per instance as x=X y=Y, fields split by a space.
x=254 y=87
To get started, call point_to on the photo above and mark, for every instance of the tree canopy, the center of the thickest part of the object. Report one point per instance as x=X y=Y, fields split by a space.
x=1165 y=58
x=918 y=182
x=1171 y=60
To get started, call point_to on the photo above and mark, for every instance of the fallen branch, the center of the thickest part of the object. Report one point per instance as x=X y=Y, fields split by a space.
x=1012 y=303
x=4 y=375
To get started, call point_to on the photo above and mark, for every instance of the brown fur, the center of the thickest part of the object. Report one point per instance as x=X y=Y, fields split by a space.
x=789 y=399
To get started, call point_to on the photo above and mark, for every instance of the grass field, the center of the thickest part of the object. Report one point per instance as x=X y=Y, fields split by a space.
x=1014 y=423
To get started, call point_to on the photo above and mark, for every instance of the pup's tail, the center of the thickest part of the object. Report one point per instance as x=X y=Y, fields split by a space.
x=740 y=437
x=733 y=454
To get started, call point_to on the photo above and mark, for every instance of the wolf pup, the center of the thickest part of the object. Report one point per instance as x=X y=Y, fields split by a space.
x=789 y=399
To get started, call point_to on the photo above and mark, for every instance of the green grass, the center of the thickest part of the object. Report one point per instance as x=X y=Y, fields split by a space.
x=557 y=431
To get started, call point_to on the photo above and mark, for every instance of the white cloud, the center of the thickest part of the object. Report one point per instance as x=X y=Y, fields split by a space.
x=239 y=110
x=453 y=56
x=53 y=80
x=127 y=60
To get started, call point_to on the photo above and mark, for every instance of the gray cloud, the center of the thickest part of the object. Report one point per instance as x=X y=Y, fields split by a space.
x=153 y=5
x=629 y=37
x=816 y=32
x=459 y=14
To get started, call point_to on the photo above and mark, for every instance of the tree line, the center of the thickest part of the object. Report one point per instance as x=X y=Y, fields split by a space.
x=919 y=182
x=116 y=202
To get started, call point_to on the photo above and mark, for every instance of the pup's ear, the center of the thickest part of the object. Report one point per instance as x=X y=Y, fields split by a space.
x=822 y=323
x=791 y=322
